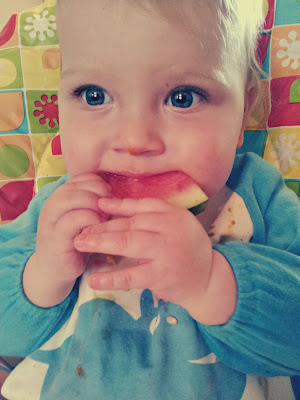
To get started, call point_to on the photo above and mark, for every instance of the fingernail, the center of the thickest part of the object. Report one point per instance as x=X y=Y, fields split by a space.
x=87 y=229
x=93 y=282
x=79 y=241
x=103 y=201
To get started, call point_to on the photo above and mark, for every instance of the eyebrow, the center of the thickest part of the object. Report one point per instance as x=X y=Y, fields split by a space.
x=218 y=77
x=212 y=77
x=69 y=72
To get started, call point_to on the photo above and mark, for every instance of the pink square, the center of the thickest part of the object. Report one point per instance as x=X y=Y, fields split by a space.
x=270 y=16
x=283 y=113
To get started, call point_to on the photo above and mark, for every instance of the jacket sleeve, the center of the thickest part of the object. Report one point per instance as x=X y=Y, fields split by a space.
x=24 y=327
x=263 y=336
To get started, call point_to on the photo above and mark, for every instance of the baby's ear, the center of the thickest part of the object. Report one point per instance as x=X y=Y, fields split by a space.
x=251 y=95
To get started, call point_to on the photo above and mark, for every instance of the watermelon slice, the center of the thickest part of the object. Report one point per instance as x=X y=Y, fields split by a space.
x=175 y=187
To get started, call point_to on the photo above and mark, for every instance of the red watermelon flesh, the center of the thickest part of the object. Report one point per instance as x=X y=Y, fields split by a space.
x=175 y=187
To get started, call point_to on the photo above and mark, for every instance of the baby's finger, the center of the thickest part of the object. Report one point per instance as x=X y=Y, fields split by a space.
x=79 y=192
x=72 y=223
x=133 y=244
x=129 y=207
x=153 y=222
x=99 y=187
x=124 y=279
x=61 y=203
x=88 y=176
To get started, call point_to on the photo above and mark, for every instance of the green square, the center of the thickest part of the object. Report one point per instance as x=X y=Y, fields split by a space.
x=293 y=185
x=43 y=181
x=39 y=29
x=11 y=70
x=43 y=111
x=295 y=92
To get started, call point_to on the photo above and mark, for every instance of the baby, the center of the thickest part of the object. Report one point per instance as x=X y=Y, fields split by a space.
x=195 y=306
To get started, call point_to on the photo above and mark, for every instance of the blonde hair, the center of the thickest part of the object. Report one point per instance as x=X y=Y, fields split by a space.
x=240 y=24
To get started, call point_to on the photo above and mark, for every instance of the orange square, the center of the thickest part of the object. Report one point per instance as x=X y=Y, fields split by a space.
x=285 y=57
x=260 y=114
x=11 y=111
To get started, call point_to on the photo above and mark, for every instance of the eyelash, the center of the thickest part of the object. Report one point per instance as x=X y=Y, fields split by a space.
x=191 y=89
x=77 y=93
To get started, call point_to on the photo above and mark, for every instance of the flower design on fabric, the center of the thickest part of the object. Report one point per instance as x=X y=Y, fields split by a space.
x=292 y=52
x=286 y=152
x=42 y=25
x=132 y=360
x=49 y=110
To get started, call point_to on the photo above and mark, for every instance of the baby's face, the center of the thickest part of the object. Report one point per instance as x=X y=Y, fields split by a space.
x=141 y=94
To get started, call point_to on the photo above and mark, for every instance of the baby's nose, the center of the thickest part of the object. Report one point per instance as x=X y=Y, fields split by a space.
x=139 y=138
x=151 y=149
x=134 y=151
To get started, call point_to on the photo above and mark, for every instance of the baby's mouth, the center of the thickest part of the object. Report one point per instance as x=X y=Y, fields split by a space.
x=175 y=187
x=137 y=186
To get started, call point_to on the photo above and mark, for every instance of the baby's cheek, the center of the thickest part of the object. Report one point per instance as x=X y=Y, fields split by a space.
x=78 y=157
x=216 y=175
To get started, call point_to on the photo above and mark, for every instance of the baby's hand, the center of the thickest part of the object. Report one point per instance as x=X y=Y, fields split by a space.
x=52 y=270
x=173 y=252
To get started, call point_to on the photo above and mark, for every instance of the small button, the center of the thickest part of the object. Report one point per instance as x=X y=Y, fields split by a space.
x=172 y=320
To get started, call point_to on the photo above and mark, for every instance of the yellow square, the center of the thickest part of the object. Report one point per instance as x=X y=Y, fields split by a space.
x=9 y=36
x=41 y=67
x=46 y=164
x=283 y=150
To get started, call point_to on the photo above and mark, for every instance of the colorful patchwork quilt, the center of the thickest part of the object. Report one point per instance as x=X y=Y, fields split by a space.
x=30 y=152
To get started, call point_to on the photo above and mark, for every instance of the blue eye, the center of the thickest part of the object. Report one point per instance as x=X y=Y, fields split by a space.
x=186 y=97
x=93 y=95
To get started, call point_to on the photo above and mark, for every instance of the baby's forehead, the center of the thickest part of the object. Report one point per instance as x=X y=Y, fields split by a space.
x=194 y=17
x=186 y=15
x=183 y=12
x=197 y=17
x=190 y=15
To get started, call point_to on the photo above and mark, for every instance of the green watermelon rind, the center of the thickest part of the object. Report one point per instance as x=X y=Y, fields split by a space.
x=199 y=208
x=190 y=198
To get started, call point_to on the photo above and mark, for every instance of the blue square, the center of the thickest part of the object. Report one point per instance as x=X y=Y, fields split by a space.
x=266 y=64
x=255 y=142
x=295 y=380
x=287 y=12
